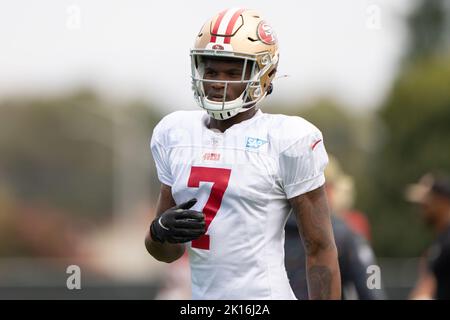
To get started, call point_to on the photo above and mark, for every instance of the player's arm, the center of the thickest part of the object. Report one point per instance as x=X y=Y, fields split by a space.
x=314 y=224
x=173 y=226
x=426 y=284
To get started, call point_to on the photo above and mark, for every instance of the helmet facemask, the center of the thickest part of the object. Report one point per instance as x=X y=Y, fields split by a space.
x=252 y=93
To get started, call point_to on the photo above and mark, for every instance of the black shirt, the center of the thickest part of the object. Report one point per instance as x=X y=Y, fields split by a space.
x=439 y=264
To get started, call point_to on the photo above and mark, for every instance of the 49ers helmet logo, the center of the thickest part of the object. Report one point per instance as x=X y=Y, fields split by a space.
x=266 y=33
x=217 y=47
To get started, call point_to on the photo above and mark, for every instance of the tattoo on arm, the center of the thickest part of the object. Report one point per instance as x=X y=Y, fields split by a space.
x=319 y=281
x=313 y=220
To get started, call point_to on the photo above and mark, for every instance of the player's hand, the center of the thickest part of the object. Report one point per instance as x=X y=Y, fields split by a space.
x=178 y=224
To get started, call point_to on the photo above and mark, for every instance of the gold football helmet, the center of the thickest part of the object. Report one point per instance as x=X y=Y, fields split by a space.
x=235 y=34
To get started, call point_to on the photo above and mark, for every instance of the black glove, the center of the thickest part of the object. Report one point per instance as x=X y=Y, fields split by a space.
x=178 y=224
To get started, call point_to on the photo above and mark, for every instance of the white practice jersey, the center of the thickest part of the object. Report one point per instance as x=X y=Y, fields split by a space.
x=242 y=179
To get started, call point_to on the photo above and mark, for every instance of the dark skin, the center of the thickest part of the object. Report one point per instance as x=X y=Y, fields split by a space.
x=216 y=69
x=314 y=225
x=436 y=211
x=311 y=209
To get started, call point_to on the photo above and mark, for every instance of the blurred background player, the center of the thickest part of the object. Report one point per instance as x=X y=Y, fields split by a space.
x=354 y=251
x=432 y=194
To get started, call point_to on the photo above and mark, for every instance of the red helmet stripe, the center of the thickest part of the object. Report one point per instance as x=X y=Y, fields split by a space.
x=231 y=25
x=216 y=25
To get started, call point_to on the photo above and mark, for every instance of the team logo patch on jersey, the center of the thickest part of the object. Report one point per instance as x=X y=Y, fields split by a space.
x=254 y=143
x=211 y=156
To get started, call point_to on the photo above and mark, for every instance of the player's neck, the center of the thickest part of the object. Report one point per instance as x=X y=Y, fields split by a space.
x=223 y=125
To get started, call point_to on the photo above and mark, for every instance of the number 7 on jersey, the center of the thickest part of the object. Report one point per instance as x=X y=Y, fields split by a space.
x=219 y=177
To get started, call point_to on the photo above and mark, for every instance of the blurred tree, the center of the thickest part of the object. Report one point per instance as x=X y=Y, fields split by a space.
x=416 y=131
x=68 y=160
x=62 y=150
x=58 y=150
x=429 y=29
x=417 y=120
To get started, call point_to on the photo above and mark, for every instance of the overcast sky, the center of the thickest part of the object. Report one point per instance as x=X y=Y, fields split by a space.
x=348 y=48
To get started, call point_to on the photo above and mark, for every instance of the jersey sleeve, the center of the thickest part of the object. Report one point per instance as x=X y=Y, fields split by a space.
x=302 y=164
x=160 y=156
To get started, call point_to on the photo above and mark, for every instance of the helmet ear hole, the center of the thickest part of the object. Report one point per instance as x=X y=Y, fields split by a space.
x=271 y=73
x=270 y=89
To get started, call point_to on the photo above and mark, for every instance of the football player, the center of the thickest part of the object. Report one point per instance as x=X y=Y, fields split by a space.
x=231 y=175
